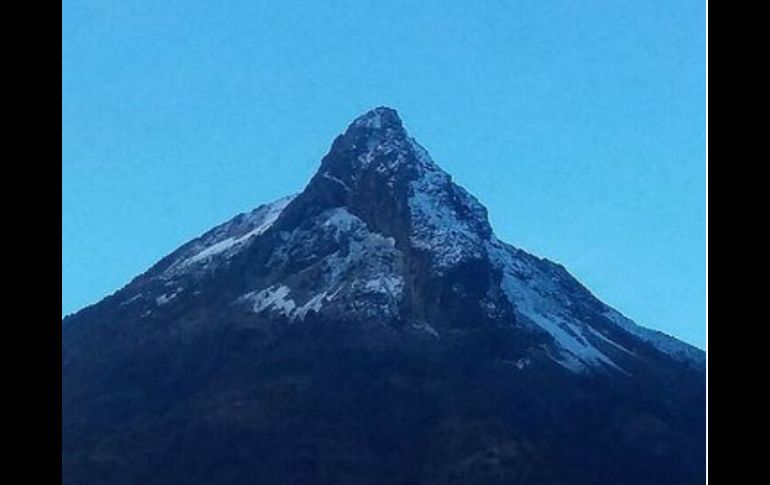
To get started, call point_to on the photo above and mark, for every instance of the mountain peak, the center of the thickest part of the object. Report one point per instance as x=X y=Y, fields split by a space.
x=382 y=117
x=383 y=176
x=380 y=287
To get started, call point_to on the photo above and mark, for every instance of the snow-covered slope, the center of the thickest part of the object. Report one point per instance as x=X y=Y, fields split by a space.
x=225 y=240
x=333 y=265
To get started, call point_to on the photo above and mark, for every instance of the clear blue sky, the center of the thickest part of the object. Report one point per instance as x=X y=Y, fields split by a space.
x=579 y=124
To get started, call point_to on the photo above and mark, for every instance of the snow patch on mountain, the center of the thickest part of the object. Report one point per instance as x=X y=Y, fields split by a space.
x=539 y=296
x=536 y=301
x=427 y=328
x=273 y=297
x=437 y=226
x=371 y=120
x=336 y=180
x=167 y=297
x=388 y=285
x=341 y=220
x=132 y=299
x=667 y=344
x=346 y=269
x=277 y=299
x=314 y=304
x=226 y=240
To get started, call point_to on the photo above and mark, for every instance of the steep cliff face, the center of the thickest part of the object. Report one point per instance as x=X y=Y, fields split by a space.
x=372 y=329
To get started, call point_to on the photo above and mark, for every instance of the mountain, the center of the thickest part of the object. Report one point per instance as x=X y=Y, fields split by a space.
x=372 y=329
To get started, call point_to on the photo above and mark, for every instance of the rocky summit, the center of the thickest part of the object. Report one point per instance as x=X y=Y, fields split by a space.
x=372 y=329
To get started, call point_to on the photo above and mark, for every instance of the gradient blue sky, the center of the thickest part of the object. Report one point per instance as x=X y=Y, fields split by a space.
x=579 y=124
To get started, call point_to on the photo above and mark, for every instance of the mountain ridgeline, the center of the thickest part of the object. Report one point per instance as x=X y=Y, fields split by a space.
x=372 y=329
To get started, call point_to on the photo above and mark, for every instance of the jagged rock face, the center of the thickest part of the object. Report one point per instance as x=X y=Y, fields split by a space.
x=372 y=329
x=381 y=178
